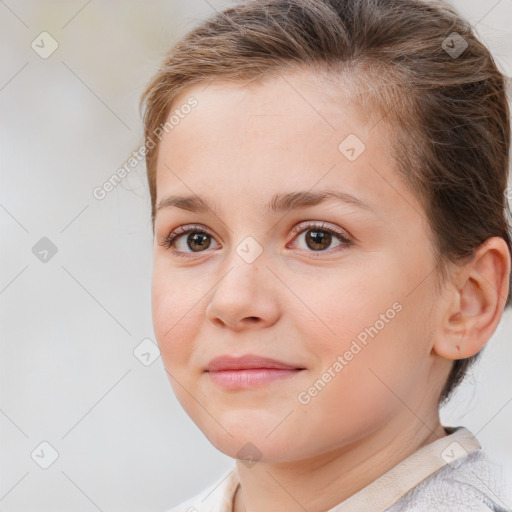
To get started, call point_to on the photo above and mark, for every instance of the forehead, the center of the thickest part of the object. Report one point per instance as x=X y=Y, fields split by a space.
x=299 y=101
x=291 y=131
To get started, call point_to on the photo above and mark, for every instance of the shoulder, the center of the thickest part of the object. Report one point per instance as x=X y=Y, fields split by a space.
x=215 y=498
x=471 y=484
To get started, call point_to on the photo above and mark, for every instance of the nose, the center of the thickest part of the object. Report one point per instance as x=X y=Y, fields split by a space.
x=245 y=297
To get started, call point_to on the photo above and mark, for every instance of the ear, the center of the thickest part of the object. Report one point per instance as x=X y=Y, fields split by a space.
x=477 y=294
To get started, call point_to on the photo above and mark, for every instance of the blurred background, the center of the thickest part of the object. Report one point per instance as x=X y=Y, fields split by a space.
x=88 y=420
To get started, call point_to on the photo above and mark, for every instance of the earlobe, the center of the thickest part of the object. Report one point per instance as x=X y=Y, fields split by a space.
x=475 y=301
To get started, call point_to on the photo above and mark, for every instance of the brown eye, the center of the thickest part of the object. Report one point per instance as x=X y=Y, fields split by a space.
x=318 y=240
x=198 y=241
x=187 y=240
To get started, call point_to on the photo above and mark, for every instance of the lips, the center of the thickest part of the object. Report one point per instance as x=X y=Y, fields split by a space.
x=248 y=372
x=248 y=362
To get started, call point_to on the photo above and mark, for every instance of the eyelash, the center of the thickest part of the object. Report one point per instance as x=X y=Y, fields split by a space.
x=169 y=240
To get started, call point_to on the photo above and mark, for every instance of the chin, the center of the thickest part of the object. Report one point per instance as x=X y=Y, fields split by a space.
x=250 y=441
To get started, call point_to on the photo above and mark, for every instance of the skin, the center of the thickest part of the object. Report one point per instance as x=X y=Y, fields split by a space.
x=239 y=147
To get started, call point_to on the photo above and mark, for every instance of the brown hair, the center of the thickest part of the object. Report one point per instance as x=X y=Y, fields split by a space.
x=418 y=64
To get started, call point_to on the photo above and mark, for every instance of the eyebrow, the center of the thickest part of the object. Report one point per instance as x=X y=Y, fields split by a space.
x=279 y=203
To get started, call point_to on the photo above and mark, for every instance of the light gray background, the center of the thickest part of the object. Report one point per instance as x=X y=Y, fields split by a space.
x=69 y=326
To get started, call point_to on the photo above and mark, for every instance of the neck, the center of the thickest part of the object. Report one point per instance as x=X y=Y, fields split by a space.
x=320 y=483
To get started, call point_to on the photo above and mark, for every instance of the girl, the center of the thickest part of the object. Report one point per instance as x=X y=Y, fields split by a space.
x=342 y=167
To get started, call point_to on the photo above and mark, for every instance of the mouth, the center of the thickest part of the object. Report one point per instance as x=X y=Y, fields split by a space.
x=249 y=371
x=248 y=378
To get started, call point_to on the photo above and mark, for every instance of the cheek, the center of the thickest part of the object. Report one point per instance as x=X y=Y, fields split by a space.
x=176 y=324
x=175 y=318
x=337 y=305
x=371 y=321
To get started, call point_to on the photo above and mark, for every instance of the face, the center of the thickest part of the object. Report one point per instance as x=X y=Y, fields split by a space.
x=311 y=252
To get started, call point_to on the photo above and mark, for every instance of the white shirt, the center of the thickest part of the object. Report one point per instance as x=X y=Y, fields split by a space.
x=451 y=474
